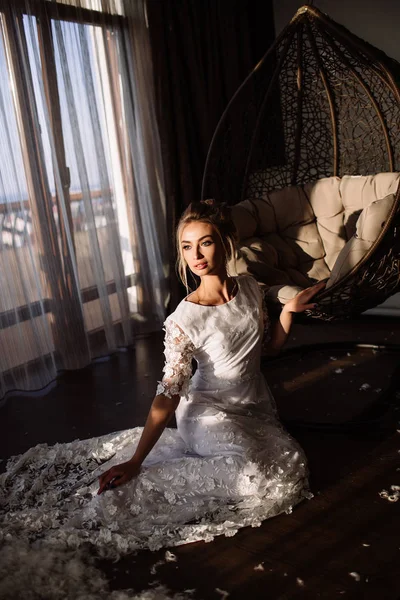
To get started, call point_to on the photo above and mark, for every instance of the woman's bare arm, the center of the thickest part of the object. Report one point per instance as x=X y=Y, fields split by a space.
x=281 y=329
x=280 y=332
x=160 y=414
x=158 y=418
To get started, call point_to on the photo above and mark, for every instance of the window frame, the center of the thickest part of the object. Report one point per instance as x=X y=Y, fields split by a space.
x=44 y=13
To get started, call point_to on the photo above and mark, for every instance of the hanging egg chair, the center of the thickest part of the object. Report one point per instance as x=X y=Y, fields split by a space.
x=307 y=153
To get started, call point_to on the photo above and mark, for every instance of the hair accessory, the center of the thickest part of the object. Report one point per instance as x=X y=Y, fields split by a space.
x=209 y=201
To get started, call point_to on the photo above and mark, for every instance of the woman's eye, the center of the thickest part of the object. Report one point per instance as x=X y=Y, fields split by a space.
x=186 y=247
x=207 y=243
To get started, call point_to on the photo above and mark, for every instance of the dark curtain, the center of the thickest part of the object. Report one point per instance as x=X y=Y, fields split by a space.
x=202 y=52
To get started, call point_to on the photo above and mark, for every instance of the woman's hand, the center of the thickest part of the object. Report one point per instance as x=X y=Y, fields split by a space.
x=161 y=411
x=118 y=475
x=301 y=302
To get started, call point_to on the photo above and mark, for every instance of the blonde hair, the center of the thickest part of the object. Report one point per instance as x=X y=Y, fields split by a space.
x=217 y=215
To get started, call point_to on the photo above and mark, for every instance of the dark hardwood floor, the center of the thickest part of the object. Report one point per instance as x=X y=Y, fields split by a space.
x=345 y=542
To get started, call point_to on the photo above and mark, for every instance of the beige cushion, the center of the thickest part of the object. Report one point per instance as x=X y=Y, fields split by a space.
x=293 y=237
x=245 y=217
x=369 y=226
x=282 y=293
x=328 y=209
x=357 y=192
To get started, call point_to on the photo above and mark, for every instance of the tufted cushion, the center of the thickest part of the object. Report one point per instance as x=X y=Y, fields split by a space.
x=327 y=205
x=293 y=237
x=369 y=225
x=358 y=192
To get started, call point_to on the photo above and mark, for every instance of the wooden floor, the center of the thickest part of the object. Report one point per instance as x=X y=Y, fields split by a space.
x=345 y=542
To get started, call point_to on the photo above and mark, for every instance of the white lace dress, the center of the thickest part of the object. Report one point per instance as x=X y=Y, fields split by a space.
x=229 y=464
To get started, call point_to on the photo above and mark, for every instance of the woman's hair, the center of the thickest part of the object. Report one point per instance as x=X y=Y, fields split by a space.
x=216 y=214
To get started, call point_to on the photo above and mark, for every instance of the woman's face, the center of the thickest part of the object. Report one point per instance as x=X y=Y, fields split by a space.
x=202 y=249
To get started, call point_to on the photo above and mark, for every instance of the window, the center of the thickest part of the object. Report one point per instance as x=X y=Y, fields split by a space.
x=66 y=210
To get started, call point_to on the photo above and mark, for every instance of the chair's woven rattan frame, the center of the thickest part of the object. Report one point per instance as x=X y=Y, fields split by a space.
x=322 y=102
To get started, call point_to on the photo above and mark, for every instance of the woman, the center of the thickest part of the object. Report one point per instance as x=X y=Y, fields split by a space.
x=229 y=464
x=238 y=464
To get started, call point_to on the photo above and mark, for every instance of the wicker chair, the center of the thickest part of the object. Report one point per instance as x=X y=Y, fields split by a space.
x=321 y=104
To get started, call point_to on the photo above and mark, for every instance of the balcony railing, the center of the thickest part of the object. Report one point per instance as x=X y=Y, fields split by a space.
x=16 y=227
x=17 y=234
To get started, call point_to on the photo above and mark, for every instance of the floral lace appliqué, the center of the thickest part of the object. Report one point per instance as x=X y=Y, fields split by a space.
x=178 y=351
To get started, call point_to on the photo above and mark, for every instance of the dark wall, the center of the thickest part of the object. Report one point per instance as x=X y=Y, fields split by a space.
x=375 y=21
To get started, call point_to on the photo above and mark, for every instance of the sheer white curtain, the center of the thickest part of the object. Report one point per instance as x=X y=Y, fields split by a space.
x=83 y=247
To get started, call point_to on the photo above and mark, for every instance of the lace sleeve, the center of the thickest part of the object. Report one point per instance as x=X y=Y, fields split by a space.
x=266 y=319
x=178 y=361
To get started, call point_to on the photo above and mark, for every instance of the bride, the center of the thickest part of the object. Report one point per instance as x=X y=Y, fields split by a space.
x=234 y=452
x=229 y=464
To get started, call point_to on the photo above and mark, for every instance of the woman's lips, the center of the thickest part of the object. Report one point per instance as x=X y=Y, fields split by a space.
x=201 y=266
